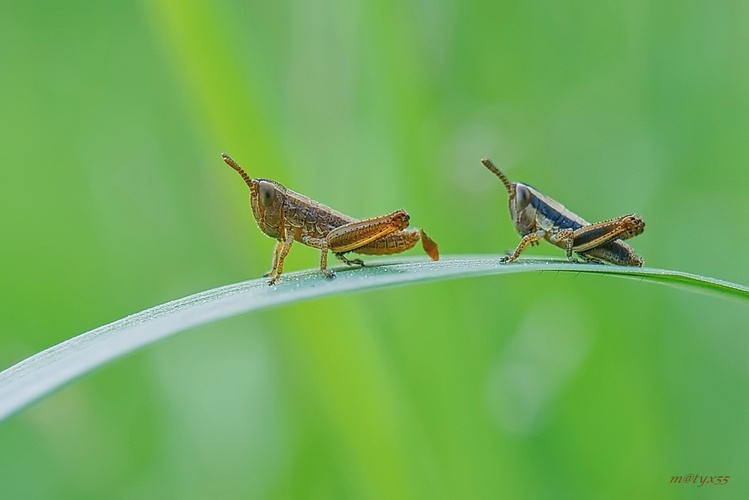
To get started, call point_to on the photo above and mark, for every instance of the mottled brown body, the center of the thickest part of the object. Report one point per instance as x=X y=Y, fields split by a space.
x=538 y=217
x=289 y=216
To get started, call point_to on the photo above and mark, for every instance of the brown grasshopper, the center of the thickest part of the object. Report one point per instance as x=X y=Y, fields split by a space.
x=289 y=216
x=537 y=217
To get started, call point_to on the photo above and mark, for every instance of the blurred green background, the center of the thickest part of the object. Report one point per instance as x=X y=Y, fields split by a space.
x=114 y=198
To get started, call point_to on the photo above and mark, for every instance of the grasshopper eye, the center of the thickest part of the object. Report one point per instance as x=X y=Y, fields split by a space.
x=267 y=192
x=523 y=196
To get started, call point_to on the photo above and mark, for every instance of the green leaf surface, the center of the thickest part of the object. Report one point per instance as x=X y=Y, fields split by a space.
x=46 y=371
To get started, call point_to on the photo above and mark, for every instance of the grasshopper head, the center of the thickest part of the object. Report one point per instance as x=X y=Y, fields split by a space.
x=520 y=197
x=266 y=199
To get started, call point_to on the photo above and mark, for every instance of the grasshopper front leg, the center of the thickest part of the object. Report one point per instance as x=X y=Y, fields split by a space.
x=528 y=239
x=279 y=255
x=274 y=262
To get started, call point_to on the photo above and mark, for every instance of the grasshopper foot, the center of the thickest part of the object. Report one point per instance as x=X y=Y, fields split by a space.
x=509 y=257
x=328 y=273
x=350 y=262
x=591 y=260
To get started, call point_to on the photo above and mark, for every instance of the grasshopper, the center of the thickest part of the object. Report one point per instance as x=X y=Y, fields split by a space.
x=537 y=217
x=288 y=216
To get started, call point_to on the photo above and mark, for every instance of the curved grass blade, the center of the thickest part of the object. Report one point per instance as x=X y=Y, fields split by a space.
x=46 y=371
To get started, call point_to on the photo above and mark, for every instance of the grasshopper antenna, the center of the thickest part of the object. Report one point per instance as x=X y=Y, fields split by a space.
x=229 y=161
x=488 y=164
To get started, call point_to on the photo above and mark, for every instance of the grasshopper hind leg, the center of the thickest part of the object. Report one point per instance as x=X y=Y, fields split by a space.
x=350 y=262
x=588 y=259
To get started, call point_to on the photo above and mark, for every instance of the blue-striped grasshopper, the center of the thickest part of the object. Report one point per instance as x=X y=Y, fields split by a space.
x=538 y=217
x=288 y=216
